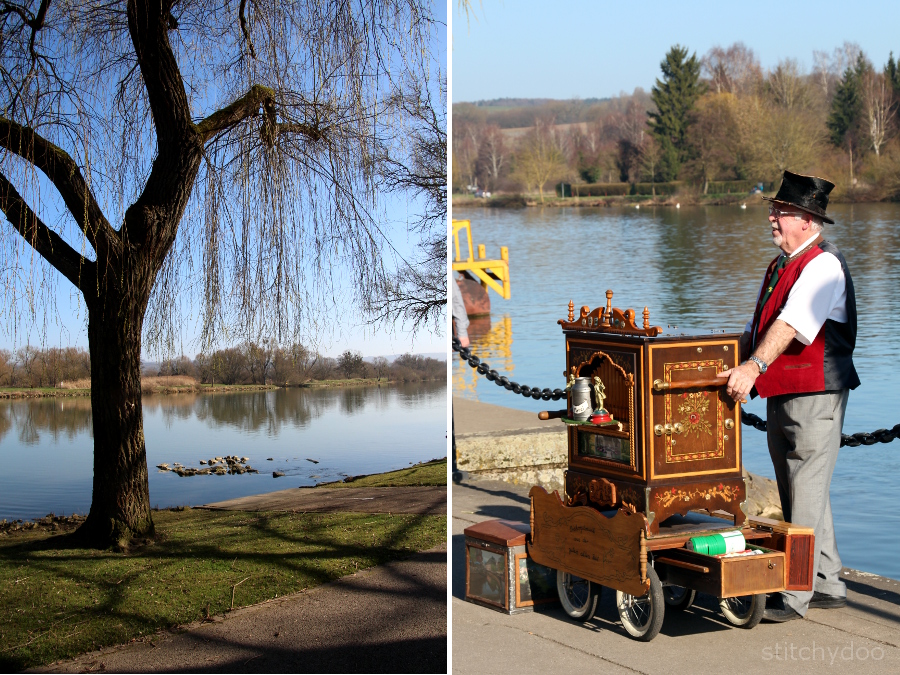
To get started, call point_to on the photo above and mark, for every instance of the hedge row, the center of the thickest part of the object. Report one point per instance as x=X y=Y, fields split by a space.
x=661 y=189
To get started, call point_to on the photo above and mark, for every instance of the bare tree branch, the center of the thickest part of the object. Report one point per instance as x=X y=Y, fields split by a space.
x=65 y=175
x=40 y=237
x=246 y=106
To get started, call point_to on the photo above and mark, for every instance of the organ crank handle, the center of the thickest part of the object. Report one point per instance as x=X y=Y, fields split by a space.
x=660 y=385
x=551 y=414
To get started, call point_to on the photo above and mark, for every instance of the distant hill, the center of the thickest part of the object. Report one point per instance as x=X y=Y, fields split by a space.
x=524 y=102
x=514 y=113
x=440 y=356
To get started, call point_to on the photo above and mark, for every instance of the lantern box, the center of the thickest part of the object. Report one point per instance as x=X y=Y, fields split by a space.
x=499 y=572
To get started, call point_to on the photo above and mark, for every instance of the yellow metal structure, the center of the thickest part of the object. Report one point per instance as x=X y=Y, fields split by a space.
x=492 y=273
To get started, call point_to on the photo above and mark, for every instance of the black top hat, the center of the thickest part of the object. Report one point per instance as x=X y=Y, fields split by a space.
x=807 y=193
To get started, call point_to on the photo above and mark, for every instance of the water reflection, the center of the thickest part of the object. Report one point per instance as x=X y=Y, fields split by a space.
x=47 y=448
x=57 y=417
x=699 y=267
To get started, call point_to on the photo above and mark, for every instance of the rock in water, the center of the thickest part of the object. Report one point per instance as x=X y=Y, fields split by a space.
x=277 y=474
x=312 y=460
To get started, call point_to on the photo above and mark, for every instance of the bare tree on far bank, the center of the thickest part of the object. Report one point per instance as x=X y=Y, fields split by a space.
x=216 y=154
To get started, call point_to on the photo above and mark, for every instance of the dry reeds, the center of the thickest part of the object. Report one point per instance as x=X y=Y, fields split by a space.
x=81 y=383
x=150 y=384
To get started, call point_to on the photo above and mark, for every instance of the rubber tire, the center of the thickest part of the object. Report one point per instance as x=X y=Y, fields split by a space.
x=654 y=604
x=681 y=601
x=744 y=616
x=582 y=606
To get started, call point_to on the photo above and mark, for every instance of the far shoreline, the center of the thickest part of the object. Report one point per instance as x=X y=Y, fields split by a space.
x=519 y=201
x=20 y=393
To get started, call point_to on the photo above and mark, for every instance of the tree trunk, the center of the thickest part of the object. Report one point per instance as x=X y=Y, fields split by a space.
x=120 y=507
x=850 y=146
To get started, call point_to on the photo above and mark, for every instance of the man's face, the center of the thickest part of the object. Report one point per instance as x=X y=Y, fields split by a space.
x=790 y=227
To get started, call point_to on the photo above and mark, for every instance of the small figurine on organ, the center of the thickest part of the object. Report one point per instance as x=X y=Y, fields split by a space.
x=600 y=413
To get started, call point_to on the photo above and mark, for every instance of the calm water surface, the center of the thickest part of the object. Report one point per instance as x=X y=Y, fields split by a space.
x=700 y=267
x=46 y=445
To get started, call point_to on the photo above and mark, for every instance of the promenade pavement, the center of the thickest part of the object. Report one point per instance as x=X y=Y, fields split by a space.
x=863 y=637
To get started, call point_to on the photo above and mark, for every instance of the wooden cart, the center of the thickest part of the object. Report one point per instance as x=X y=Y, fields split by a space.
x=665 y=468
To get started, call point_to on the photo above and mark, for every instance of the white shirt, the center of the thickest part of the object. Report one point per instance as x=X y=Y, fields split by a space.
x=819 y=294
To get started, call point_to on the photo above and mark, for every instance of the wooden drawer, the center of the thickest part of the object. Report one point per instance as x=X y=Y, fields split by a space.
x=799 y=546
x=723 y=577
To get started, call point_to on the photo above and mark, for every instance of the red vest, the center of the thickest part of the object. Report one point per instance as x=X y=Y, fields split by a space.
x=824 y=365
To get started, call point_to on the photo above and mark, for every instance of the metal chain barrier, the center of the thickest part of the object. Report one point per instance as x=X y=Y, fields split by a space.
x=755 y=421
x=502 y=381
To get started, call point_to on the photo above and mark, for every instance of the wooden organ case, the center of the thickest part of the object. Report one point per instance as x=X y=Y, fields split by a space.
x=674 y=442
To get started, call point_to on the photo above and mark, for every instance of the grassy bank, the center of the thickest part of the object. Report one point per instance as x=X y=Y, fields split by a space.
x=57 y=602
x=426 y=473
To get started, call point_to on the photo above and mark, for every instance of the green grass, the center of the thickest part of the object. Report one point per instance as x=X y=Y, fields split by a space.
x=57 y=602
x=426 y=473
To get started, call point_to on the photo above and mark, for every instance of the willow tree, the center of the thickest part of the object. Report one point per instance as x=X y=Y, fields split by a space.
x=213 y=158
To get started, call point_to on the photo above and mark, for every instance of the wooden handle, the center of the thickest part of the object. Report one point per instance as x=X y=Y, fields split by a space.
x=659 y=385
x=551 y=414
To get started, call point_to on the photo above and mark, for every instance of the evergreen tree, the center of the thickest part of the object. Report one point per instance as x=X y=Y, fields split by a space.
x=846 y=107
x=892 y=73
x=674 y=97
x=846 y=117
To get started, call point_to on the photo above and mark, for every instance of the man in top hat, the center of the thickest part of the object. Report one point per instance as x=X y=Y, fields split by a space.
x=799 y=356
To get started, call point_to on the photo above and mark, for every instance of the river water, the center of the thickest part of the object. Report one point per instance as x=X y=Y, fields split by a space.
x=699 y=268
x=46 y=446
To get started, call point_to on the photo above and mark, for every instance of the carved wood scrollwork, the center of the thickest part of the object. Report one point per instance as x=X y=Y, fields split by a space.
x=609 y=320
x=579 y=493
x=602 y=492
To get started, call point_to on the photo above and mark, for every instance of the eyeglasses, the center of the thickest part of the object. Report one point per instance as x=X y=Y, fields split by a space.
x=778 y=213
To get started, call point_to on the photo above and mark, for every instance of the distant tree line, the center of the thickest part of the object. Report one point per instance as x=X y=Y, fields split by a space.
x=248 y=363
x=719 y=117
x=34 y=367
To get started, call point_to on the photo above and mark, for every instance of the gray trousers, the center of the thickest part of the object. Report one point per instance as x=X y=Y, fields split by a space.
x=804 y=433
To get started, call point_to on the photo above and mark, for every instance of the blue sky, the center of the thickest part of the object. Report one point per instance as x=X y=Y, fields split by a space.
x=66 y=322
x=526 y=48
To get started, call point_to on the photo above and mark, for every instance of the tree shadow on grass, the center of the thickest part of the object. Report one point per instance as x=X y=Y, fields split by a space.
x=144 y=593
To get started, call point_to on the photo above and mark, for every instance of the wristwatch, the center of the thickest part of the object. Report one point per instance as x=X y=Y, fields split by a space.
x=763 y=366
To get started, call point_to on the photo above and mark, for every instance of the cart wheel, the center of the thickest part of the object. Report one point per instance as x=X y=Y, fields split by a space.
x=578 y=596
x=642 y=617
x=678 y=598
x=744 y=611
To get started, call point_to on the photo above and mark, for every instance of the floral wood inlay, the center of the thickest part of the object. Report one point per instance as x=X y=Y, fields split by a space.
x=670 y=496
x=693 y=407
x=698 y=416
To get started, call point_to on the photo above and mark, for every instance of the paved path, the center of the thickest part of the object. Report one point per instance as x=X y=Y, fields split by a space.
x=389 y=619
x=863 y=637
x=475 y=417
x=429 y=500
